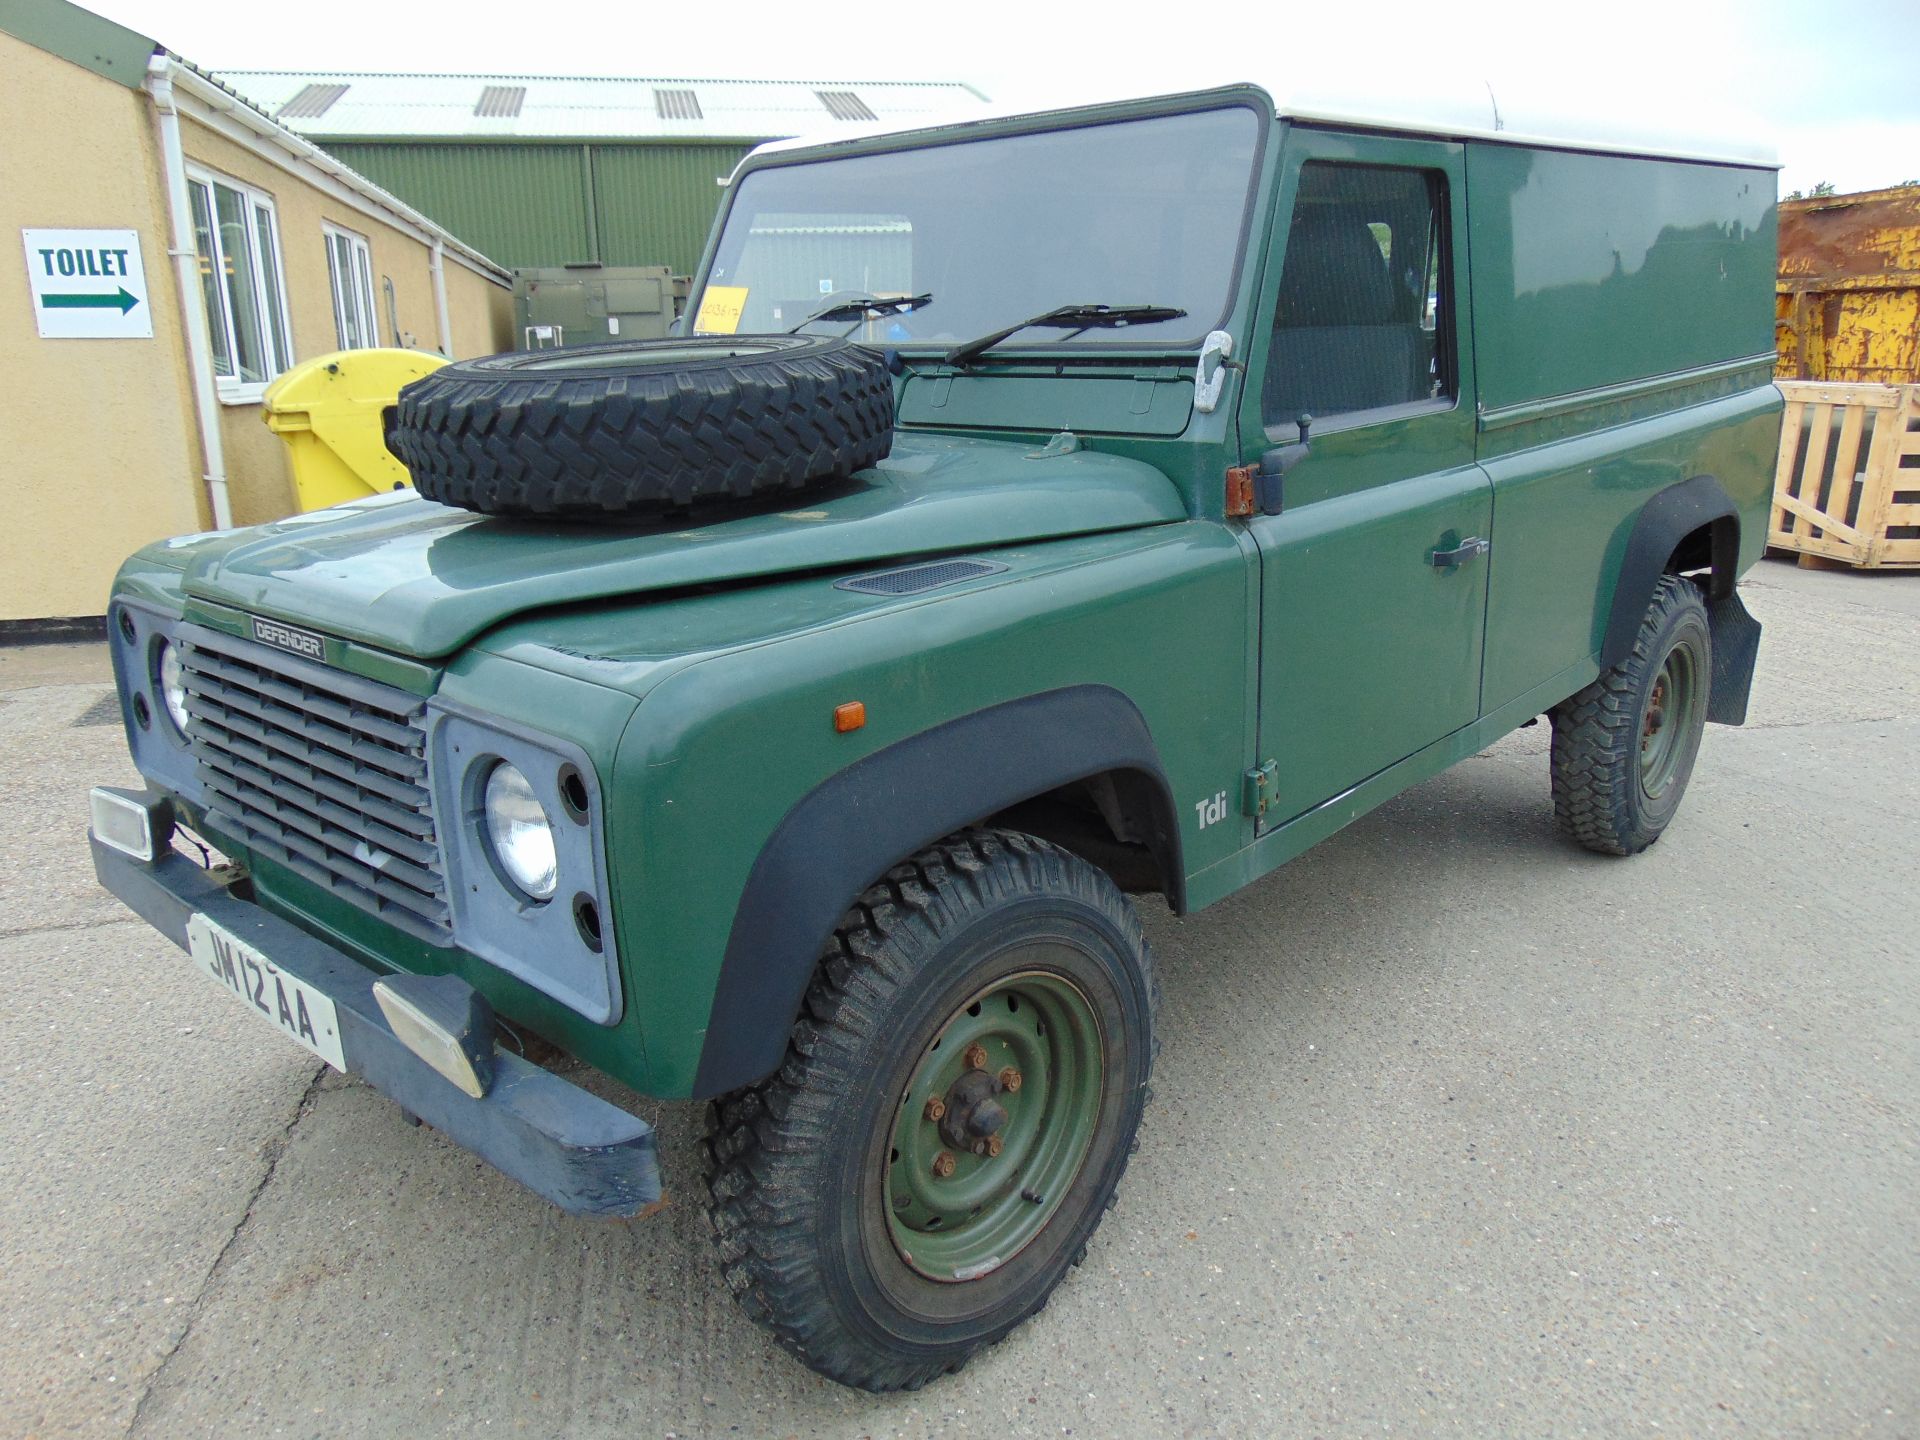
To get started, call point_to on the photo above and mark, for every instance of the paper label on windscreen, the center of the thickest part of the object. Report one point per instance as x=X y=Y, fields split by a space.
x=720 y=310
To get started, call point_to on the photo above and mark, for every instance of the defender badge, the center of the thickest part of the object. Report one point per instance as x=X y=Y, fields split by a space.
x=303 y=643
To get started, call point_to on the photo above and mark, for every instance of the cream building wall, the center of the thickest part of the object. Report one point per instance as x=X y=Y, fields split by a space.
x=97 y=438
x=100 y=445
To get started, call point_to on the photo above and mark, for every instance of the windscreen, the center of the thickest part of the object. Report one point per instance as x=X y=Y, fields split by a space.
x=1136 y=212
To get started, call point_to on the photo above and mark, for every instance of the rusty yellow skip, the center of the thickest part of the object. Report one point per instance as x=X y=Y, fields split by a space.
x=332 y=411
x=1847 y=324
x=1847 y=304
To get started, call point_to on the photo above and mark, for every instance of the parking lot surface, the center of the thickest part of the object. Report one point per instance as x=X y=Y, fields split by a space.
x=1458 y=1130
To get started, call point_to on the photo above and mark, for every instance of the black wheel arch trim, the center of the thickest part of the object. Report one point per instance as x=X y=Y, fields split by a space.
x=1662 y=524
x=851 y=828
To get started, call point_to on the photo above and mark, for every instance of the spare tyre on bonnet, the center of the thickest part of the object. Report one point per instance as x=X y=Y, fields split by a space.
x=608 y=432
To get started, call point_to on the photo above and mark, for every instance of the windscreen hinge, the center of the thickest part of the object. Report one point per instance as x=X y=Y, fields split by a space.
x=1210 y=374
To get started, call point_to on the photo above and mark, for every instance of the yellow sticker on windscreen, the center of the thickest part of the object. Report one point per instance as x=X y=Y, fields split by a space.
x=720 y=308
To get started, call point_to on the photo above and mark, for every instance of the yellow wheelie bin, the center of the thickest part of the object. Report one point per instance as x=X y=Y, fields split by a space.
x=332 y=411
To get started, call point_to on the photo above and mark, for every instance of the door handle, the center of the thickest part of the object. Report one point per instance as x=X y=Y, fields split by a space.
x=1466 y=550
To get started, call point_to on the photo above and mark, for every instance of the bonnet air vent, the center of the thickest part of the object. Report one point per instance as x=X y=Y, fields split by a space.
x=845 y=105
x=311 y=102
x=915 y=578
x=500 y=102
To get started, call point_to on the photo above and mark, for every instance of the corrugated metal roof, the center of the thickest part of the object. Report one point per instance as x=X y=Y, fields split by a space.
x=449 y=106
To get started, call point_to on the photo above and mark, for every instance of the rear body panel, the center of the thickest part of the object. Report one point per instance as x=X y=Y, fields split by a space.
x=1564 y=508
x=1595 y=270
x=1624 y=347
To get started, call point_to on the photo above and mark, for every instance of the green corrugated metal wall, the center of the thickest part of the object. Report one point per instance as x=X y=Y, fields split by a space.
x=657 y=201
x=527 y=205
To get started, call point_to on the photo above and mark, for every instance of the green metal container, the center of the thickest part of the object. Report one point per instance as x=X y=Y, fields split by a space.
x=582 y=304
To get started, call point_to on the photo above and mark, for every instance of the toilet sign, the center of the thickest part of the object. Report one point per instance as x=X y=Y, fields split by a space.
x=88 y=284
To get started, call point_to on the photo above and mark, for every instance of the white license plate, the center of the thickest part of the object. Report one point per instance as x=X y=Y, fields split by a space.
x=296 y=1009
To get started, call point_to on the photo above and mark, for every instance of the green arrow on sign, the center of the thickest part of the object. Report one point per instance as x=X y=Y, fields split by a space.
x=123 y=302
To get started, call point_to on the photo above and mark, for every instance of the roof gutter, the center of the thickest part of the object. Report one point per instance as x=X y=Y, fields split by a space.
x=186 y=269
x=240 y=121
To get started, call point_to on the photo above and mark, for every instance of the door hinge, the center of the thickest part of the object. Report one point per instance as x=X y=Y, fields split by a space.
x=1240 y=491
x=1260 y=787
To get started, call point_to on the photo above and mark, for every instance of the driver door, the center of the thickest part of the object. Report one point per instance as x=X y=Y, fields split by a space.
x=1374 y=573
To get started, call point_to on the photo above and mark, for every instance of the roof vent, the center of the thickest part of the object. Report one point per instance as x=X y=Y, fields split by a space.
x=312 y=102
x=500 y=102
x=677 y=105
x=915 y=578
x=845 y=105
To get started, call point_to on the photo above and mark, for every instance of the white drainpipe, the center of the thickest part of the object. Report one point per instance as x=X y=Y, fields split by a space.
x=439 y=270
x=186 y=268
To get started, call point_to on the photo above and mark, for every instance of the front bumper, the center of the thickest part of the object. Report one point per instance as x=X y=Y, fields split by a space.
x=586 y=1156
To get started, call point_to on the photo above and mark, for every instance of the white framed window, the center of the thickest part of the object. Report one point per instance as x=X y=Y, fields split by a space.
x=350 y=268
x=237 y=235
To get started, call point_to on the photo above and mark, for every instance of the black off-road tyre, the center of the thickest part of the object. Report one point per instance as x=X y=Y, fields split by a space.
x=802 y=1168
x=644 y=427
x=1618 y=774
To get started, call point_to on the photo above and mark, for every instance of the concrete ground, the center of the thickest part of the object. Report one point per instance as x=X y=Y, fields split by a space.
x=1458 y=1131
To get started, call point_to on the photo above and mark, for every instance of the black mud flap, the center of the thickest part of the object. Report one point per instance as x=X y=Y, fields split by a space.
x=1736 y=643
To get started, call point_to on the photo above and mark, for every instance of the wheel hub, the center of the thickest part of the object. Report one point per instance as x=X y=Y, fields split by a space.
x=995 y=1122
x=973 y=1113
x=1656 y=712
x=1676 y=696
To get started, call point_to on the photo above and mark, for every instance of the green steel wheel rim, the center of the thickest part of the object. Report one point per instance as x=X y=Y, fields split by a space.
x=1671 y=717
x=957 y=1212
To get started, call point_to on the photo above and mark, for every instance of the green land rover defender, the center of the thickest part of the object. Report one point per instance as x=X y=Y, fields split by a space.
x=1038 y=512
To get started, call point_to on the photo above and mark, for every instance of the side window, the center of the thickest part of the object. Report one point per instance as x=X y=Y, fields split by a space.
x=1364 y=315
x=350 y=269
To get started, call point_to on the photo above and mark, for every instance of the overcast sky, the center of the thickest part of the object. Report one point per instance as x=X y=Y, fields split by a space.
x=1835 y=83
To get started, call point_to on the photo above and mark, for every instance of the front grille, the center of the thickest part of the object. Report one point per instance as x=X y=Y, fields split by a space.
x=321 y=771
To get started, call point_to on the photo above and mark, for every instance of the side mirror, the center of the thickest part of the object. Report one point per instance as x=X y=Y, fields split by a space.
x=1269 y=487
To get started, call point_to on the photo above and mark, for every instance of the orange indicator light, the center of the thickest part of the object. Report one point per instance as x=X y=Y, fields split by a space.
x=850 y=716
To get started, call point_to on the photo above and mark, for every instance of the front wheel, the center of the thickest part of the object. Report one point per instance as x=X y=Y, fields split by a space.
x=1623 y=748
x=958 y=1102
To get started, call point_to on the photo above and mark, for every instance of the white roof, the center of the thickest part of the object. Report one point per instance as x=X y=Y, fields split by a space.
x=347 y=106
x=1513 y=112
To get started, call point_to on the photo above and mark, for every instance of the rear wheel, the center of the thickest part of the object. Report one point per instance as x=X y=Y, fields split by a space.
x=1624 y=747
x=957 y=1107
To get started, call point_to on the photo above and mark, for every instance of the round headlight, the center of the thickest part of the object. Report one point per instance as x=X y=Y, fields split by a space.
x=173 y=684
x=521 y=835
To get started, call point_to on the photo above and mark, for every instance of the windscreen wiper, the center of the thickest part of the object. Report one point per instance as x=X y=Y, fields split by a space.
x=1068 y=317
x=865 y=307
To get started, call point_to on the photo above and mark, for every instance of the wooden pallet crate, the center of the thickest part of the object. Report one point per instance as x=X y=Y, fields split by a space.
x=1847 y=486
